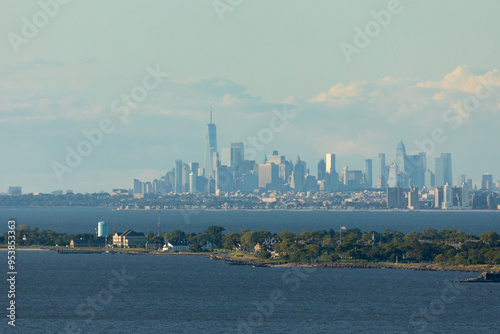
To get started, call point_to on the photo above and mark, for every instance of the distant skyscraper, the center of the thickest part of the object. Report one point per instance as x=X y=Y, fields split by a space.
x=285 y=170
x=401 y=156
x=193 y=167
x=237 y=153
x=447 y=196
x=487 y=182
x=469 y=184
x=268 y=176
x=465 y=195
x=415 y=169
x=395 y=197
x=352 y=179
x=225 y=156
x=138 y=187
x=392 y=180
x=443 y=170
x=178 y=176
x=148 y=187
x=330 y=163
x=215 y=161
x=413 y=198
x=368 y=174
x=224 y=178
x=210 y=146
x=186 y=170
x=298 y=175
x=275 y=158
x=429 y=179
x=192 y=182
x=332 y=177
x=15 y=190
x=321 y=169
x=406 y=168
x=250 y=181
x=382 y=178
x=438 y=197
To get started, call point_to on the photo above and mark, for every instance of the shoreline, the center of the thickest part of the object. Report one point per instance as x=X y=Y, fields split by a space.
x=232 y=210
x=419 y=267
x=257 y=263
x=105 y=250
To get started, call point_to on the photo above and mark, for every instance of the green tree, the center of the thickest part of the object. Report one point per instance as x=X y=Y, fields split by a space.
x=490 y=237
x=214 y=234
x=231 y=240
x=177 y=234
x=440 y=258
x=195 y=247
x=249 y=240
x=285 y=235
x=264 y=255
x=329 y=242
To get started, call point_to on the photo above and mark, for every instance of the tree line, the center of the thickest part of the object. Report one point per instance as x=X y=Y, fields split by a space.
x=445 y=246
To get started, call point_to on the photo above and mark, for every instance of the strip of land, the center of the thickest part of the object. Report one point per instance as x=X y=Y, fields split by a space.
x=444 y=250
x=413 y=266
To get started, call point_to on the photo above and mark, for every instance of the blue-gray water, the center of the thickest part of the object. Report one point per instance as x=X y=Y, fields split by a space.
x=192 y=294
x=84 y=220
x=186 y=294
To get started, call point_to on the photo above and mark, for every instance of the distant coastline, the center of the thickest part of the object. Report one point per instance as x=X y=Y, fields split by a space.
x=247 y=210
x=374 y=265
x=331 y=265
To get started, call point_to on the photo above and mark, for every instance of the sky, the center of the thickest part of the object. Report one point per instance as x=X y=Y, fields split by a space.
x=129 y=84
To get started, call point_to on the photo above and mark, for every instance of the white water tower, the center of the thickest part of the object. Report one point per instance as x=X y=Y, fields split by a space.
x=102 y=229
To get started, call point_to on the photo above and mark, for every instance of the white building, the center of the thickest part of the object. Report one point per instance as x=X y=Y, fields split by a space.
x=465 y=196
x=176 y=245
x=192 y=182
x=447 y=197
x=207 y=245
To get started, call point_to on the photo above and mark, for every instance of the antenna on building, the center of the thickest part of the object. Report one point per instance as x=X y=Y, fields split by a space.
x=210 y=112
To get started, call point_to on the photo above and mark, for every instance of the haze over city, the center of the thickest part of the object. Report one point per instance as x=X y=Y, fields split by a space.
x=413 y=78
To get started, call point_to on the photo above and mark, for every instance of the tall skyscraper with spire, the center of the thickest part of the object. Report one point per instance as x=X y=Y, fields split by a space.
x=210 y=147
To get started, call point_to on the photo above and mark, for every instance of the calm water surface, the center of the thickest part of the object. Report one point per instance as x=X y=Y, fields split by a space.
x=82 y=293
x=192 y=294
x=84 y=220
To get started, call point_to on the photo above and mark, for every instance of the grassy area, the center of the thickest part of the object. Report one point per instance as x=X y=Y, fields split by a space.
x=252 y=257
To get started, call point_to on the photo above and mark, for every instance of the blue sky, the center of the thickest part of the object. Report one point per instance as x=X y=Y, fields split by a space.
x=261 y=56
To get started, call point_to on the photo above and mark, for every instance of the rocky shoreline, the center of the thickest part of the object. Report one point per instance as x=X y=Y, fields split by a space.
x=423 y=267
x=486 y=277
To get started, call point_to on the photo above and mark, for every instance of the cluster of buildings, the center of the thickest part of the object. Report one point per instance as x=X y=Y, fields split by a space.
x=410 y=184
x=132 y=239
x=407 y=180
x=15 y=190
x=227 y=170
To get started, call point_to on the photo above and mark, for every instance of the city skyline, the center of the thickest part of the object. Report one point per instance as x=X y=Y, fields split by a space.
x=400 y=158
x=357 y=105
x=407 y=171
x=330 y=160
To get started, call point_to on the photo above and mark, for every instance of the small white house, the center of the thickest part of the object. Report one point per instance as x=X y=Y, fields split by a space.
x=176 y=245
x=207 y=245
